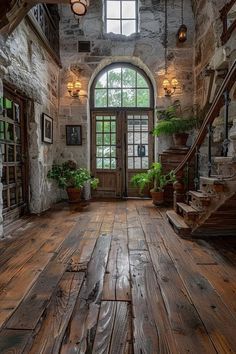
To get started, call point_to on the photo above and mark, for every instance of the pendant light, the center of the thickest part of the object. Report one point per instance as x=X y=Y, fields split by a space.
x=79 y=7
x=182 y=32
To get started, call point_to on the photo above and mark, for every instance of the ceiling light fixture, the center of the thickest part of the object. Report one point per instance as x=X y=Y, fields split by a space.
x=79 y=7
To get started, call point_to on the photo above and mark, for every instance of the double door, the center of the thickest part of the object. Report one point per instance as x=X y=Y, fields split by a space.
x=122 y=146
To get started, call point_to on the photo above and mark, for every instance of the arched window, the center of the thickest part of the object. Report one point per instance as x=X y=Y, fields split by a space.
x=121 y=17
x=122 y=85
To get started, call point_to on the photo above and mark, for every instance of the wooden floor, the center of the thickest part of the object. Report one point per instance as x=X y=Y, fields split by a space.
x=114 y=278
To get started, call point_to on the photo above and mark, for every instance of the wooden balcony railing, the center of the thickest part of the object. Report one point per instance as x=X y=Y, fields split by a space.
x=45 y=20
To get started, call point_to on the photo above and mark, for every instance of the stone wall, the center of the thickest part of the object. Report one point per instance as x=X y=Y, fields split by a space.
x=144 y=49
x=28 y=68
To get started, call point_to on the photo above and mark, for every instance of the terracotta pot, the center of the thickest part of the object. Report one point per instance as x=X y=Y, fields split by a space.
x=74 y=194
x=157 y=197
x=180 y=139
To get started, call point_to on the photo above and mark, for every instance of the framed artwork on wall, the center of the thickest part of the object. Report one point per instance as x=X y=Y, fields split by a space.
x=73 y=135
x=47 y=129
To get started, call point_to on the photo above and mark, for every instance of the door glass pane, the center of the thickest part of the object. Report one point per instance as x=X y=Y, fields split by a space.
x=2 y=130
x=11 y=174
x=18 y=134
x=8 y=105
x=11 y=154
x=4 y=175
x=9 y=131
x=12 y=196
x=5 y=199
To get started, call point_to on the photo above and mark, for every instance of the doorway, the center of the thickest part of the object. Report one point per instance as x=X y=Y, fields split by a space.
x=13 y=141
x=122 y=121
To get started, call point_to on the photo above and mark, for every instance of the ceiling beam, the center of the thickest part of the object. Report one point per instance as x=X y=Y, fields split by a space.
x=48 y=1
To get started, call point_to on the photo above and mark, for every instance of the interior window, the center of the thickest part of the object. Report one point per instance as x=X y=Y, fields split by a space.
x=121 y=16
x=122 y=86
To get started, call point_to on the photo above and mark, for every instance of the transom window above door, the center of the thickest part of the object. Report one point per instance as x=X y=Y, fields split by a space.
x=122 y=86
x=121 y=16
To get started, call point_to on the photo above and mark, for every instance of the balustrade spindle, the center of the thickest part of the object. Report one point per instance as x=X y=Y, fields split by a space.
x=225 y=146
x=210 y=132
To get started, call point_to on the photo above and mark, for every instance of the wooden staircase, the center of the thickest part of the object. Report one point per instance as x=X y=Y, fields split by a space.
x=211 y=211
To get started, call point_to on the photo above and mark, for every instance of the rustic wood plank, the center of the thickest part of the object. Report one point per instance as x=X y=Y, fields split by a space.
x=136 y=239
x=82 y=327
x=113 y=330
x=82 y=256
x=151 y=328
x=117 y=278
x=187 y=327
x=13 y=341
x=211 y=308
x=57 y=315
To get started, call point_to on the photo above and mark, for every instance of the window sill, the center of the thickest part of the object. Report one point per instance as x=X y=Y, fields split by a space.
x=121 y=37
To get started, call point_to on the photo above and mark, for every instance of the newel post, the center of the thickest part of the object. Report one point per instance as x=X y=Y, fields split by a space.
x=179 y=189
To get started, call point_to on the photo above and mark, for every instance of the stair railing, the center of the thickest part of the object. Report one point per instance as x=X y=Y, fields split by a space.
x=221 y=99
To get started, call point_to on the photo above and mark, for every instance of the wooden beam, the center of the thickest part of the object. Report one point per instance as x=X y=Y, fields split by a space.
x=48 y=2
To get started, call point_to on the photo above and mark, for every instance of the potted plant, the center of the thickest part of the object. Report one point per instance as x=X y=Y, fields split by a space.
x=71 y=178
x=171 y=123
x=154 y=177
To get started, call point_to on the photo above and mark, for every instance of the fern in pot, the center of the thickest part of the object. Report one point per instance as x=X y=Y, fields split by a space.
x=171 y=123
x=72 y=179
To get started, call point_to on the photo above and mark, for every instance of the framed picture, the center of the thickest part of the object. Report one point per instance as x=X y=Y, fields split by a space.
x=73 y=135
x=47 y=129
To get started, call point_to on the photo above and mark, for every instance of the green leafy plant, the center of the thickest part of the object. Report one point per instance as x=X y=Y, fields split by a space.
x=68 y=175
x=154 y=176
x=169 y=122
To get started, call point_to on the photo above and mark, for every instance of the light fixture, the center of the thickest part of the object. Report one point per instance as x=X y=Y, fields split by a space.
x=168 y=86
x=79 y=7
x=74 y=89
x=182 y=32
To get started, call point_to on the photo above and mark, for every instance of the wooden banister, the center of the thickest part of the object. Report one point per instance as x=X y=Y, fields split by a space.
x=213 y=113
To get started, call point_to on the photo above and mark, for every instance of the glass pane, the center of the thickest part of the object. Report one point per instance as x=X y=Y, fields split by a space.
x=8 y=105
x=113 y=127
x=130 y=163
x=128 y=27
x=2 y=130
x=144 y=124
x=107 y=164
x=99 y=118
x=144 y=138
x=130 y=138
x=17 y=112
x=113 y=26
x=143 y=98
x=11 y=174
x=18 y=153
x=107 y=127
x=20 y=194
x=4 y=175
x=128 y=9
x=137 y=138
x=107 y=151
x=99 y=126
x=102 y=82
x=99 y=163
x=130 y=150
x=113 y=139
x=11 y=155
x=13 y=196
x=137 y=126
x=19 y=174
x=113 y=164
x=3 y=151
x=145 y=163
x=137 y=162
x=128 y=78
x=107 y=139
x=129 y=98
x=9 y=132
x=114 y=98
x=100 y=98
x=18 y=134
x=99 y=139
x=141 y=82
x=130 y=125
x=99 y=151
x=113 y=151
x=114 y=78
x=113 y=9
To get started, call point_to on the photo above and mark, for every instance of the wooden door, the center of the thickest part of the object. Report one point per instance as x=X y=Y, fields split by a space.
x=122 y=146
x=14 y=150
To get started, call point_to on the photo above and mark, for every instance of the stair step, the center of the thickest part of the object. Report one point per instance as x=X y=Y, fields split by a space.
x=212 y=180
x=178 y=223
x=187 y=209
x=199 y=195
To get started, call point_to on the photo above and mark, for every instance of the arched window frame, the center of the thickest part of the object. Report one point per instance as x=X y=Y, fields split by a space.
x=122 y=17
x=122 y=65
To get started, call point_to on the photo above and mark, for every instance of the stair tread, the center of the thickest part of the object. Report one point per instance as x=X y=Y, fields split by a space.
x=177 y=220
x=212 y=180
x=199 y=194
x=187 y=208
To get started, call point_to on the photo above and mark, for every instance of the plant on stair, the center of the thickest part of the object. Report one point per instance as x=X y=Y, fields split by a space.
x=155 y=177
x=71 y=178
x=170 y=122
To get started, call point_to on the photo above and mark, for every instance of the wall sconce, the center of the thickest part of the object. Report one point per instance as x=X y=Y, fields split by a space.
x=182 y=33
x=170 y=87
x=74 y=89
